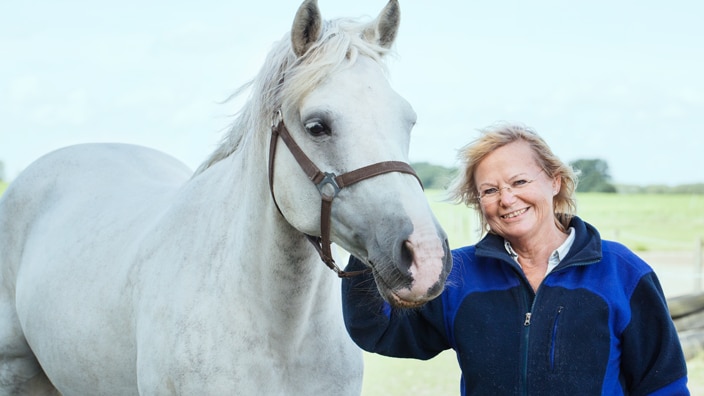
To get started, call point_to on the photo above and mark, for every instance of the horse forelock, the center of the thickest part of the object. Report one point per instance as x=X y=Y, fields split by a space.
x=285 y=80
x=341 y=43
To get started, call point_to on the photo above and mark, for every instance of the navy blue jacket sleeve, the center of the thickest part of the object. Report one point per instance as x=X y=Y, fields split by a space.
x=652 y=361
x=376 y=327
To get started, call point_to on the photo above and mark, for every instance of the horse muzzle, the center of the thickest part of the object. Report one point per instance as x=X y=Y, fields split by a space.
x=418 y=276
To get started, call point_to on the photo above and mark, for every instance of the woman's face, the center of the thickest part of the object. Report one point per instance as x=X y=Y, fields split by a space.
x=516 y=194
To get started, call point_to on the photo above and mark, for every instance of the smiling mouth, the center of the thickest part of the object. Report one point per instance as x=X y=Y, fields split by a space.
x=514 y=213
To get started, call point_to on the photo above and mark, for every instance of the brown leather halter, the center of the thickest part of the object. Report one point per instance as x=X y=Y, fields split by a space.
x=329 y=185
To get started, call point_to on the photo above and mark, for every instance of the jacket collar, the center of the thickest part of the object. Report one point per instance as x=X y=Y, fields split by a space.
x=586 y=248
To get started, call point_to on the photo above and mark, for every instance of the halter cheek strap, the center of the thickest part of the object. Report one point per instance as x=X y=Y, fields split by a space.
x=329 y=185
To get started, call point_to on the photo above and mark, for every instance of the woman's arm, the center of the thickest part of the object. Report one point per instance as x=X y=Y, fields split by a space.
x=376 y=327
x=652 y=361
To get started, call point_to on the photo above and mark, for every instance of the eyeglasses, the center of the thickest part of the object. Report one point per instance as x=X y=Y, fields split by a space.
x=492 y=194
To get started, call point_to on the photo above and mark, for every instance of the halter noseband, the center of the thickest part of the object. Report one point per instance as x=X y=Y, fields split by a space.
x=329 y=185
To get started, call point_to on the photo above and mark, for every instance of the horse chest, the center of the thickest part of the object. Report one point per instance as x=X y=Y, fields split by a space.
x=205 y=363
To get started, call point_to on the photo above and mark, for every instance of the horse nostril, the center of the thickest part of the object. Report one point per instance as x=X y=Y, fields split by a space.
x=406 y=255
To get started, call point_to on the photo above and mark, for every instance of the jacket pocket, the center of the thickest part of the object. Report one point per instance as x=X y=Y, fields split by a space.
x=554 y=337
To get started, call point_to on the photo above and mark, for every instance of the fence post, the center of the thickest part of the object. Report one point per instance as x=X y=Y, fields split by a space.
x=698 y=265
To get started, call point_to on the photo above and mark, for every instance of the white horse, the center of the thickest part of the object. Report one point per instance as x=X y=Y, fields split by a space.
x=124 y=273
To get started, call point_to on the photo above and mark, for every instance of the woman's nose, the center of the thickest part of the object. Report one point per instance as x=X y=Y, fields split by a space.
x=506 y=195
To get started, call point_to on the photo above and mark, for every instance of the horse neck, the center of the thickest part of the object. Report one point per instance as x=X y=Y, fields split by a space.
x=267 y=256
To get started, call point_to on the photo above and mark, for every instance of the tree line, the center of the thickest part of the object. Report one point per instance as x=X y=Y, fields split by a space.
x=593 y=176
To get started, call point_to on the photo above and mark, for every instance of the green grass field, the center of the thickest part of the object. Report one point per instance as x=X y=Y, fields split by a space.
x=440 y=376
x=641 y=222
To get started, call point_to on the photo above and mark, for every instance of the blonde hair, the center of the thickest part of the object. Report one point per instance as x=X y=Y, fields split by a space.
x=464 y=189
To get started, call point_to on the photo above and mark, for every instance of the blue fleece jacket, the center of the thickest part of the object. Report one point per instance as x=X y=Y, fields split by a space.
x=597 y=325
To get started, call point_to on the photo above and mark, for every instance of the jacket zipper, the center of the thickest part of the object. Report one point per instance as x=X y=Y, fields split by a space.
x=523 y=390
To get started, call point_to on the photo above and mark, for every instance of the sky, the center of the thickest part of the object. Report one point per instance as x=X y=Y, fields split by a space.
x=617 y=80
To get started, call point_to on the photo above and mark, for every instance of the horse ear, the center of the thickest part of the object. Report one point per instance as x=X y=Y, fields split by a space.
x=384 y=28
x=306 y=27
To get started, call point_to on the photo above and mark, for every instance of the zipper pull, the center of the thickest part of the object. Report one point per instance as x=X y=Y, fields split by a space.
x=527 y=321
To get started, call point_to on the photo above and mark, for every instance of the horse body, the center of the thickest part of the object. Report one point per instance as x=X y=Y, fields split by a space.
x=184 y=300
x=121 y=272
x=68 y=233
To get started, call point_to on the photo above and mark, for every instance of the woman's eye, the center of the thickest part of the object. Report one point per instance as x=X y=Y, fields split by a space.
x=317 y=128
x=490 y=191
x=520 y=182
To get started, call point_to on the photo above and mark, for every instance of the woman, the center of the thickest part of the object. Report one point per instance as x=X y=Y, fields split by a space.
x=541 y=305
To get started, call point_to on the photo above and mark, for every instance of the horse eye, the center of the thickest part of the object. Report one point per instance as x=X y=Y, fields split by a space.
x=317 y=128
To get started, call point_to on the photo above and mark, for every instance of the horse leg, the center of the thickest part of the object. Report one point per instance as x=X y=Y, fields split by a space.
x=23 y=376
x=20 y=372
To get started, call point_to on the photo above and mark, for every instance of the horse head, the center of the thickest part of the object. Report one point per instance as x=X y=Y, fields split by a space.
x=339 y=111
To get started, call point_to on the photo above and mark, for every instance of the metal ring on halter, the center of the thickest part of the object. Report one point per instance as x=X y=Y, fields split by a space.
x=328 y=183
x=278 y=117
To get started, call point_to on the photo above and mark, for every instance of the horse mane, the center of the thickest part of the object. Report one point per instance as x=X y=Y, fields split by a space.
x=286 y=79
